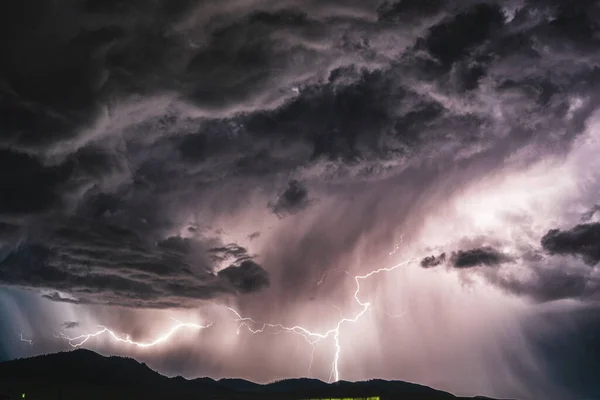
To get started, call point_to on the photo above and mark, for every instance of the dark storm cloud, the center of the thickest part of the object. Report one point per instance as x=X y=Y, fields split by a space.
x=8 y=230
x=487 y=256
x=455 y=37
x=590 y=213
x=293 y=199
x=70 y=324
x=555 y=275
x=582 y=240
x=29 y=186
x=57 y=297
x=231 y=251
x=26 y=185
x=74 y=59
x=551 y=281
x=246 y=277
x=409 y=10
x=134 y=114
x=249 y=59
x=100 y=263
x=433 y=261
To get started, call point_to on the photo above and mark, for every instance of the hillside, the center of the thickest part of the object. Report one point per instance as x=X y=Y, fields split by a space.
x=84 y=374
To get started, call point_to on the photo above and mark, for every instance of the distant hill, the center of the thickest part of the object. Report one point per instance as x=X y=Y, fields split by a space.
x=84 y=374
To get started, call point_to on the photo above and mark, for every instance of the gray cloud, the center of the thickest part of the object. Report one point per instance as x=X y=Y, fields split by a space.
x=582 y=240
x=407 y=10
x=222 y=61
x=487 y=256
x=590 y=213
x=70 y=324
x=293 y=199
x=246 y=277
x=100 y=263
x=57 y=297
x=254 y=235
x=433 y=261
x=457 y=37
x=551 y=281
x=566 y=271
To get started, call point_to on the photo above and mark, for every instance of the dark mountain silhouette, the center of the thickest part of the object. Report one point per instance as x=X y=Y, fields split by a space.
x=84 y=374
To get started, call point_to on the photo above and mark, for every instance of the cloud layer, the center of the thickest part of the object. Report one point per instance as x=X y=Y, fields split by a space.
x=99 y=263
x=140 y=118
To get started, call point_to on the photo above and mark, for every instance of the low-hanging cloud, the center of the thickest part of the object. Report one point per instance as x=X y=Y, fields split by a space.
x=99 y=263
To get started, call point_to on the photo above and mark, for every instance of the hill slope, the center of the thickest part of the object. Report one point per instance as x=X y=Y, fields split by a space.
x=85 y=374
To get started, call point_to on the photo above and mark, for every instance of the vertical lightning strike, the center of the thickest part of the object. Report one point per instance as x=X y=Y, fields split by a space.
x=313 y=337
x=28 y=341
x=78 y=341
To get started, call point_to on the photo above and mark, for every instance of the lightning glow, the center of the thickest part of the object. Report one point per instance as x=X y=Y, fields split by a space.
x=314 y=337
x=28 y=341
x=254 y=327
x=78 y=341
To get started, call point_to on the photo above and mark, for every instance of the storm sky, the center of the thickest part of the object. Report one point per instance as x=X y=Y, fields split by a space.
x=180 y=159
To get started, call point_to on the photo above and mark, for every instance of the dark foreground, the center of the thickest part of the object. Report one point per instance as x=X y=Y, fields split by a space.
x=83 y=374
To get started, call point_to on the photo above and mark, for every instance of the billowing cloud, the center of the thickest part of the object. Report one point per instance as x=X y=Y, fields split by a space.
x=100 y=263
x=457 y=37
x=550 y=280
x=246 y=277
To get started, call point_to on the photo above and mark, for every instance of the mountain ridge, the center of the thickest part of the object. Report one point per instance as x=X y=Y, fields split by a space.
x=86 y=374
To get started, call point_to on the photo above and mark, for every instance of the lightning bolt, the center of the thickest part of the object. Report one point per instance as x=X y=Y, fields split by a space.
x=322 y=279
x=391 y=253
x=314 y=337
x=252 y=326
x=28 y=341
x=78 y=341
